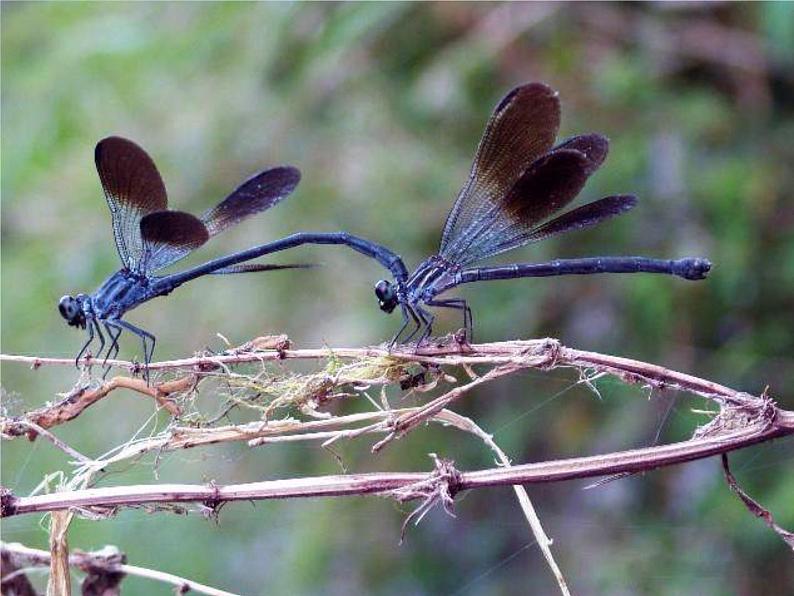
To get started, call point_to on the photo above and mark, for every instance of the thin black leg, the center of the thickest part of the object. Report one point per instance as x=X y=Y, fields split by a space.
x=417 y=322
x=82 y=351
x=114 y=342
x=467 y=312
x=101 y=337
x=459 y=304
x=148 y=348
x=427 y=319
x=406 y=321
x=114 y=333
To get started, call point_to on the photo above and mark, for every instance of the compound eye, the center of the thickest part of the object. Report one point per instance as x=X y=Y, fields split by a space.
x=383 y=290
x=387 y=298
x=67 y=307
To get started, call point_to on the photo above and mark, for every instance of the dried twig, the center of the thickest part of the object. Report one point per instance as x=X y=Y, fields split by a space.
x=754 y=506
x=76 y=401
x=513 y=355
x=35 y=429
x=109 y=560
x=440 y=486
x=60 y=583
x=410 y=420
x=742 y=420
x=636 y=460
x=13 y=577
x=543 y=541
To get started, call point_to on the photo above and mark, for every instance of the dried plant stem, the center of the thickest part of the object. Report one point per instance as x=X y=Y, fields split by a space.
x=60 y=583
x=32 y=557
x=409 y=420
x=742 y=420
x=544 y=542
x=636 y=460
x=76 y=401
x=754 y=506
x=512 y=355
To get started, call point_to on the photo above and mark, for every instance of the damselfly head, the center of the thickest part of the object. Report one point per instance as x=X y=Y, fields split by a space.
x=71 y=310
x=387 y=295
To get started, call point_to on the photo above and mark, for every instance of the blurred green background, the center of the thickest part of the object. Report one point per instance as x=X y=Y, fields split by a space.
x=381 y=106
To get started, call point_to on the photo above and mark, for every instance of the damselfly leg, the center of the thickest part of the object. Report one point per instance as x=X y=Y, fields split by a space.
x=114 y=333
x=90 y=328
x=101 y=337
x=458 y=304
x=408 y=315
x=147 y=340
x=93 y=331
x=427 y=319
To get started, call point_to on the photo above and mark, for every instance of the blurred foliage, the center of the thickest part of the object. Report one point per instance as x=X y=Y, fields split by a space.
x=381 y=106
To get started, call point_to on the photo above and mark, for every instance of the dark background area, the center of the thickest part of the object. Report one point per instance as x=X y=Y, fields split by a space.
x=381 y=106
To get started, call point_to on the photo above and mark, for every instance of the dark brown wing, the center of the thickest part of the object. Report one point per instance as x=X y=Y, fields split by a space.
x=547 y=186
x=168 y=236
x=594 y=146
x=550 y=184
x=584 y=216
x=522 y=128
x=254 y=267
x=133 y=188
x=257 y=194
